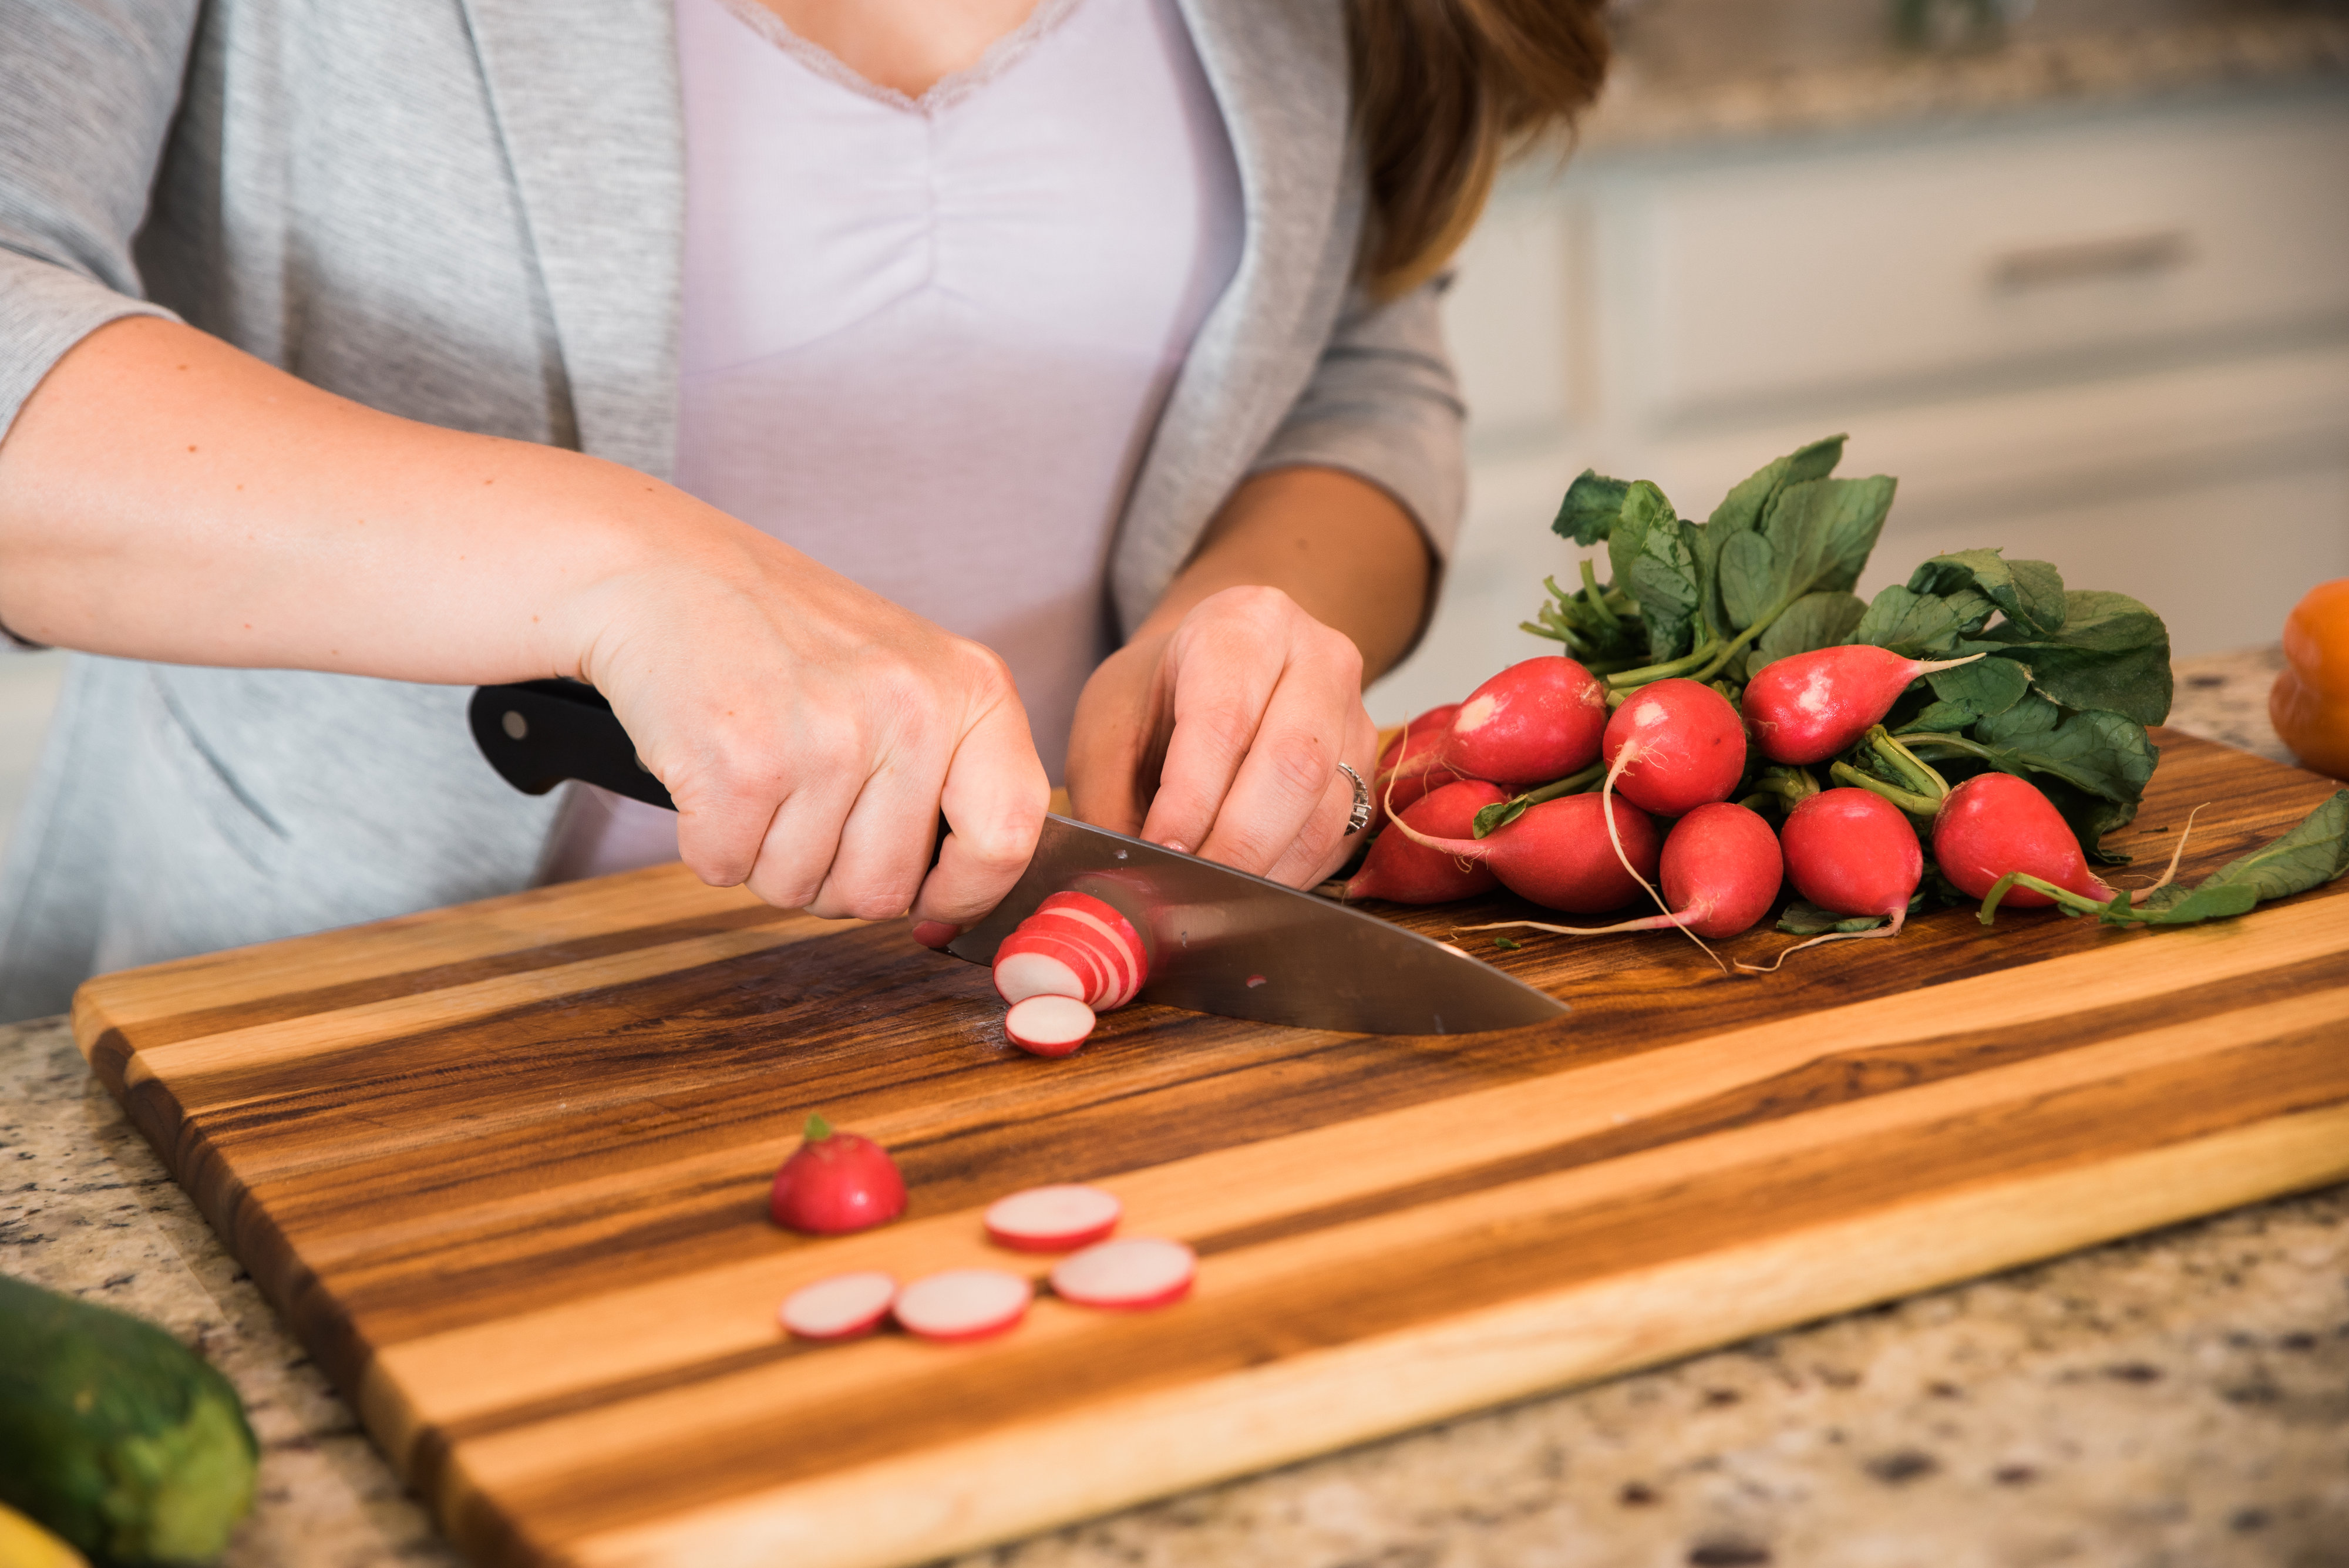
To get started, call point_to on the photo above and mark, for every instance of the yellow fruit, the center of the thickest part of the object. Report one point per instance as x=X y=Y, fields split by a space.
x=24 y=1545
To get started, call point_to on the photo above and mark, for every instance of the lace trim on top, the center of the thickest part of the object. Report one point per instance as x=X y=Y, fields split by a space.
x=944 y=93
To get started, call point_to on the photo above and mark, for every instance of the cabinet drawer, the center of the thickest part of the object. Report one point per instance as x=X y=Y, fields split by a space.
x=1936 y=260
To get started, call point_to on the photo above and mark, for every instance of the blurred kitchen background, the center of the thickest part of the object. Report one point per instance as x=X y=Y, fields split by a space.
x=2076 y=272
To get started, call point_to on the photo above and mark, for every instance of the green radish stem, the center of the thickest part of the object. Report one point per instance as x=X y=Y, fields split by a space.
x=1493 y=818
x=1624 y=757
x=1921 y=791
x=817 y=1129
x=1650 y=672
x=1597 y=596
x=2080 y=902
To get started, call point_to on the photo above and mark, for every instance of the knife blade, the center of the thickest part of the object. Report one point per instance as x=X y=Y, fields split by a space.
x=1221 y=940
x=1240 y=946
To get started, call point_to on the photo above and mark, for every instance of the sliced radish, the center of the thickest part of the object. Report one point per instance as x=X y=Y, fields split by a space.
x=1052 y=1218
x=840 y=1307
x=1019 y=976
x=1049 y=1025
x=962 y=1303
x=1074 y=925
x=1133 y=1274
x=1107 y=914
x=1085 y=960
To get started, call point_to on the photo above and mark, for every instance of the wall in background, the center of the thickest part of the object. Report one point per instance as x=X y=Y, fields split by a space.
x=2118 y=339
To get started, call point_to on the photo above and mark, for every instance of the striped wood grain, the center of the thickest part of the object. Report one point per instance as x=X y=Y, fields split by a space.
x=504 y=1166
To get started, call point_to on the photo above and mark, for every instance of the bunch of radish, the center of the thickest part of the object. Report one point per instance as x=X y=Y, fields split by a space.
x=1075 y=957
x=1657 y=783
x=960 y=1304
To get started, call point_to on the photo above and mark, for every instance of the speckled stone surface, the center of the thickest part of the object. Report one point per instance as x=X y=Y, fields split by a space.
x=2180 y=1400
x=1702 y=71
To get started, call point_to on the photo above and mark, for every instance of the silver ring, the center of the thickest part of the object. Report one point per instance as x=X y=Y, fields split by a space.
x=1360 y=818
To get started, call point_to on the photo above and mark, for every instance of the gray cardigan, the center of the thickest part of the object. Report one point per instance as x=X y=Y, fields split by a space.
x=468 y=212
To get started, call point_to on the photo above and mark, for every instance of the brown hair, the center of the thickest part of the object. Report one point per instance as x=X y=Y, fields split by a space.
x=1443 y=91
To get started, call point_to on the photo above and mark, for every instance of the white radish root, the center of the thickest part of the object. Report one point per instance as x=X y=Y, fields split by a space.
x=1052 y=1218
x=1130 y=1275
x=962 y=1303
x=1624 y=758
x=1900 y=918
x=840 y=1307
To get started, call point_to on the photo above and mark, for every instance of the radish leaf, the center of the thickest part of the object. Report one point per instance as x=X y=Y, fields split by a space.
x=2314 y=853
x=1972 y=692
x=1593 y=503
x=2030 y=592
x=2112 y=653
x=1813 y=621
x=1653 y=557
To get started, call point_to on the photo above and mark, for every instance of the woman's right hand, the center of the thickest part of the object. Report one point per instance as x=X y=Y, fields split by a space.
x=811 y=731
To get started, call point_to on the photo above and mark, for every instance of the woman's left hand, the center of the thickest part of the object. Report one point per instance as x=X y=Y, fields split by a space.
x=1222 y=735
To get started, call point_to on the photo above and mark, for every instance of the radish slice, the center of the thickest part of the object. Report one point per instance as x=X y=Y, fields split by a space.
x=1021 y=975
x=1133 y=1274
x=840 y=1307
x=962 y=1303
x=1052 y=1218
x=1049 y=1025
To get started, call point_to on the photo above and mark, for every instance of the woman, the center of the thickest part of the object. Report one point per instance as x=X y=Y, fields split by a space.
x=346 y=354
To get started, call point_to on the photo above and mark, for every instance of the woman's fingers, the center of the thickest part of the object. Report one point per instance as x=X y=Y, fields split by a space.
x=1276 y=820
x=994 y=801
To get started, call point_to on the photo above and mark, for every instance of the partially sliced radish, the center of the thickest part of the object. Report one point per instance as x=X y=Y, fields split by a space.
x=1074 y=926
x=1052 y=1218
x=1109 y=916
x=1107 y=958
x=1021 y=975
x=1091 y=967
x=962 y=1303
x=1132 y=1275
x=840 y=1307
x=1049 y=1025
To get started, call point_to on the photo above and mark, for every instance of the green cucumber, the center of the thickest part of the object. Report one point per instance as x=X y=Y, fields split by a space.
x=115 y=1435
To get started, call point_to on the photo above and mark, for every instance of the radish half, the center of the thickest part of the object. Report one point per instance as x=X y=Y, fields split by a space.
x=1052 y=1218
x=1048 y=1026
x=1128 y=1275
x=962 y=1303
x=1028 y=966
x=840 y=1307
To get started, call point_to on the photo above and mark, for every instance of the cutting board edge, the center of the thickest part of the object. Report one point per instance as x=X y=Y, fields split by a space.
x=984 y=1491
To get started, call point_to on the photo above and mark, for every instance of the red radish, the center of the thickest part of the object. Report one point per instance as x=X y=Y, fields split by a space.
x=835 y=1182
x=1130 y=1275
x=1809 y=707
x=1406 y=872
x=1101 y=927
x=1533 y=722
x=1674 y=745
x=1720 y=871
x=1994 y=823
x=1052 y=1218
x=840 y=1307
x=1049 y=1025
x=1851 y=852
x=1560 y=853
x=1412 y=763
x=962 y=1303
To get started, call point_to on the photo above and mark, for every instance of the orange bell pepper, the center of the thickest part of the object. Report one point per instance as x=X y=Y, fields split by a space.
x=2309 y=703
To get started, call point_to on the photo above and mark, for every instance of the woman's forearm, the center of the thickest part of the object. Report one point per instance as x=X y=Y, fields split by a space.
x=163 y=496
x=1345 y=550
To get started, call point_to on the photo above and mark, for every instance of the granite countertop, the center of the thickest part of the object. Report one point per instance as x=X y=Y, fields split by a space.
x=1692 y=71
x=2178 y=1399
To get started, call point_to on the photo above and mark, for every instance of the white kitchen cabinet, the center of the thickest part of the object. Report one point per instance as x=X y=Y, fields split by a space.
x=2114 y=339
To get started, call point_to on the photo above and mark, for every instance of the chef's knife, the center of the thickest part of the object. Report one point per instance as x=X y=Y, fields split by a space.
x=1220 y=941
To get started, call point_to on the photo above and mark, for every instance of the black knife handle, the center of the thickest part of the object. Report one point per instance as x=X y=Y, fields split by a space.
x=541 y=733
x=537 y=733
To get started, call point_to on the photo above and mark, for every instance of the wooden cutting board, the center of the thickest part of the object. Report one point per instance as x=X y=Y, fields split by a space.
x=503 y=1168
